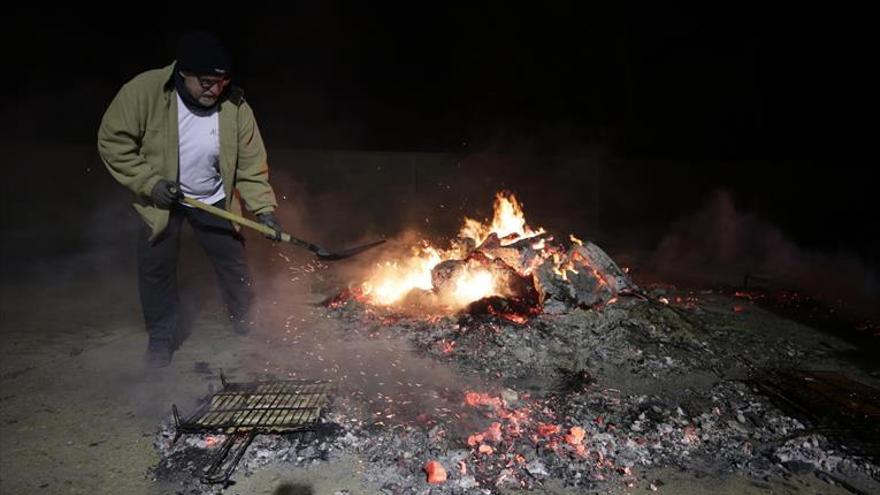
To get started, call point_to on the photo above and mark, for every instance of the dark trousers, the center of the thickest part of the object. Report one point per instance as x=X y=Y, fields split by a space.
x=157 y=271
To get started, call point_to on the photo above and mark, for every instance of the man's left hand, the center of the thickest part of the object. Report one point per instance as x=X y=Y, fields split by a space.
x=269 y=220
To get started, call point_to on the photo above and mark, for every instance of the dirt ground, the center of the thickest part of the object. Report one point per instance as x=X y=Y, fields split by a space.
x=80 y=409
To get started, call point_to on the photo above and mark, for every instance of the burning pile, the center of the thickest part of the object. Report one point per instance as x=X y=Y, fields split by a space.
x=504 y=268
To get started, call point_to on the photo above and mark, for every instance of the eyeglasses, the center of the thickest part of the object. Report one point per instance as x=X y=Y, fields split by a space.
x=208 y=82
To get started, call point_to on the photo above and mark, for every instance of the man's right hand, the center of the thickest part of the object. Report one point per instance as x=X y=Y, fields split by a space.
x=268 y=219
x=165 y=193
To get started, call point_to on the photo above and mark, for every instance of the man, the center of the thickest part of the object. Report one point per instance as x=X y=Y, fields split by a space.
x=183 y=130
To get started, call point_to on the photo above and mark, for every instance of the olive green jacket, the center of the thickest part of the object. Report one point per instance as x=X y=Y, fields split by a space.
x=138 y=142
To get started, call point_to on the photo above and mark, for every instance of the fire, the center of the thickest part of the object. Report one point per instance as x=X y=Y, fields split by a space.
x=502 y=268
x=392 y=281
x=508 y=221
x=472 y=286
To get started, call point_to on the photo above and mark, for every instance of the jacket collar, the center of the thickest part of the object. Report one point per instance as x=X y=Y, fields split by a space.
x=168 y=77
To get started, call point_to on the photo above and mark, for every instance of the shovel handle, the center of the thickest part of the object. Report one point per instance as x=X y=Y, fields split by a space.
x=320 y=252
x=264 y=229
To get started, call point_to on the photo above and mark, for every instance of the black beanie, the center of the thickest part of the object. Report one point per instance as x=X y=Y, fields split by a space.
x=203 y=54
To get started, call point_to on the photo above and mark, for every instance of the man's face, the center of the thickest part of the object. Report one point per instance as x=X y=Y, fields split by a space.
x=205 y=89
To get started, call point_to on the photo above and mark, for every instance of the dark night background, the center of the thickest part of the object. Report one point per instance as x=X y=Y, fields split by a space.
x=773 y=107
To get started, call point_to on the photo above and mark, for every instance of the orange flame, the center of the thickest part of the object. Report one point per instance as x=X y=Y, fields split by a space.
x=398 y=282
x=508 y=221
x=391 y=281
x=473 y=285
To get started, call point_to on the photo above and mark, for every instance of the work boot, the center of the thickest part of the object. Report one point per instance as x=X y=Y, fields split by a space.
x=158 y=357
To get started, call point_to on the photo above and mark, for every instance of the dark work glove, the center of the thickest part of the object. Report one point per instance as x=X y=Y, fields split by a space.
x=269 y=220
x=165 y=193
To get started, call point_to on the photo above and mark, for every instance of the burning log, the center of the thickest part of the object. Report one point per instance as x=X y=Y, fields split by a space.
x=584 y=277
x=504 y=268
x=485 y=277
x=588 y=285
x=589 y=254
x=523 y=255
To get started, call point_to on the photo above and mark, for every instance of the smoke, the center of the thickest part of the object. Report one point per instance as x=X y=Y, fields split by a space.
x=343 y=198
x=722 y=244
x=83 y=272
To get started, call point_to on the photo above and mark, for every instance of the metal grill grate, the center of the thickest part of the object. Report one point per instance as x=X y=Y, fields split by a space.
x=244 y=410
x=270 y=407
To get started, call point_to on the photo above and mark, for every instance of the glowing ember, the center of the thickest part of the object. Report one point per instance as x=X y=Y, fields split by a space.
x=482 y=399
x=435 y=471
x=445 y=346
x=575 y=435
x=511 y=317
x=344 y=296
x=546 y=430
x=690 y=435
x=493 y=434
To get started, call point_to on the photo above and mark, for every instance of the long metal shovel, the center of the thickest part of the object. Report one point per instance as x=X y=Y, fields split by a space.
x=320 y=252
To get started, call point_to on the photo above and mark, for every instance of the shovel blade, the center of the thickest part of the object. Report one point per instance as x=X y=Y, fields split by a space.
x=325 y=255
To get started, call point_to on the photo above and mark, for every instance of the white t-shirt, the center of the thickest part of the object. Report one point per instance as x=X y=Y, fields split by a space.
x=199 y=152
